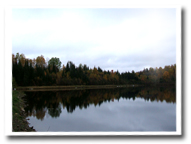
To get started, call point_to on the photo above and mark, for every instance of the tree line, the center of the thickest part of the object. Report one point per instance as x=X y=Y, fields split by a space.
x=37 y=72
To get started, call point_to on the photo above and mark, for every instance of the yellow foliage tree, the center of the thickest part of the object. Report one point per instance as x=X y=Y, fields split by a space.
x=40 y=61
x=166 y=75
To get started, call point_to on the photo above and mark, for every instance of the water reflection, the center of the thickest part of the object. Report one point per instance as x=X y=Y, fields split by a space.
x=40 y=103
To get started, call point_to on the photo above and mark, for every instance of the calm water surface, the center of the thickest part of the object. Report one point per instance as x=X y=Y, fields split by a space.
x=124 y=109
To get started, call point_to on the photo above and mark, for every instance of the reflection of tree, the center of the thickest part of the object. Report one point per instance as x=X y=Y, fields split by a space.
x=159 y=94
x=38 y=102
x=55 y=112
x=40 y=114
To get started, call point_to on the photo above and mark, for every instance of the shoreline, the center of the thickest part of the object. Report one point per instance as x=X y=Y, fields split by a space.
x=19 y=121
x=82 y=87
x=71 y=87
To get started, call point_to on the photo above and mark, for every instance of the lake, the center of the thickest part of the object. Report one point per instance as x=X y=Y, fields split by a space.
x=130 y=109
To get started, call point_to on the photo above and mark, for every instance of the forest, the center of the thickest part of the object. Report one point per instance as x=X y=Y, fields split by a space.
x=37 y=72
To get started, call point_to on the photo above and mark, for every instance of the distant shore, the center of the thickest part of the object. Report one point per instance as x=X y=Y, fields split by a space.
x=71 y=87
x=81 y=87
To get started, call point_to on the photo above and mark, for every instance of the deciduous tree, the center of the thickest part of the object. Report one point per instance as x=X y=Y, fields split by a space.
x=40 y=61
x=55 y=61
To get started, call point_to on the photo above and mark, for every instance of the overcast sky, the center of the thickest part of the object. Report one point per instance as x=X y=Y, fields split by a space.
x=120 y=39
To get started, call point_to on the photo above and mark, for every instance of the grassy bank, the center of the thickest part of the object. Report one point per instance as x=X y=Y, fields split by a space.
x=19 y=122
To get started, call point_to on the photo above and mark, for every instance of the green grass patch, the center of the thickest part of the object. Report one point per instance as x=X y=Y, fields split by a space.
x=15 y=102
x=16 y=105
